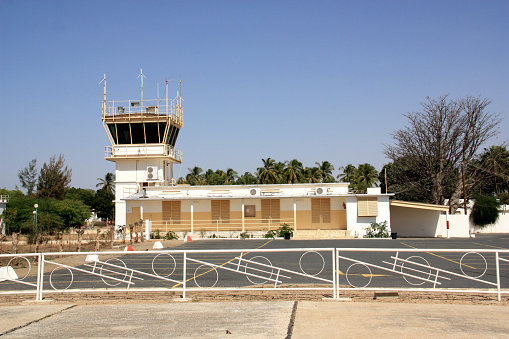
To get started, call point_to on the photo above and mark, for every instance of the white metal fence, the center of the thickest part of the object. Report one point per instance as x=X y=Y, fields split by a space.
x=327 y=269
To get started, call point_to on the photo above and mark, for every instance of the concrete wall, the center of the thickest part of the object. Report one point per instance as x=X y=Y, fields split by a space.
x=501 y=226
x=357 y=225
x=414 y=222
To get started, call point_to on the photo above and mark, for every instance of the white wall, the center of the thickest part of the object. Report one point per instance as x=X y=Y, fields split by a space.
x=357 y=225
x=501 y=226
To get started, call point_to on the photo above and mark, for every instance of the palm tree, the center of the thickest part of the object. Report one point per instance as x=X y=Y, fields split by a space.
x=194 y=175
x=293 y=171
x=495 y=162
x=325 y=169
x=230 y=176
x=268 y=174
x=108 y=183
x=312 y=175
x=349 y=173
x=367 y=175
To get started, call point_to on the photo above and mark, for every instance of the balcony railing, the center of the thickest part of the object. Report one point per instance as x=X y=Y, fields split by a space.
x=171 y=107
x=129 y=151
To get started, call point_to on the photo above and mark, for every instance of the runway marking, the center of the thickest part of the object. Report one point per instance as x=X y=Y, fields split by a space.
x=439 y=256
x=221 y=265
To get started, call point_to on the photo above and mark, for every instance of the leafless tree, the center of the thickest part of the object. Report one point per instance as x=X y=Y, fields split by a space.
x=443 y=138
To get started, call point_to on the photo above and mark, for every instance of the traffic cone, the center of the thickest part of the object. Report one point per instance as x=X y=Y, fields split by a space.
x=188 y=238
x=128 y=248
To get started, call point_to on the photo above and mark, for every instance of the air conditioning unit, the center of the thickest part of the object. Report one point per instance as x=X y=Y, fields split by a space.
x=152 y=173
x=254 y=191
x=321 y=191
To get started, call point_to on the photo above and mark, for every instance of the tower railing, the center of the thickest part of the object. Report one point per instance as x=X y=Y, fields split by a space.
x=146 y=107
x=156 y=150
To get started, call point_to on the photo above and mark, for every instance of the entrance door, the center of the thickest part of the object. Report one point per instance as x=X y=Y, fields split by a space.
x=321 y=213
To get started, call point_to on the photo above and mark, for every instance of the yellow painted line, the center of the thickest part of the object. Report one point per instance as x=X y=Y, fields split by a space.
x=220 y=265
x=367 y=275
x=439 y=256
x=502 y=248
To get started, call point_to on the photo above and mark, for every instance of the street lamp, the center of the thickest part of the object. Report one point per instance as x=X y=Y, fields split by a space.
x=35 y=213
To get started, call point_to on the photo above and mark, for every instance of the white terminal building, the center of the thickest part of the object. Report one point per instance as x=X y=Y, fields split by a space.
x=143 y=136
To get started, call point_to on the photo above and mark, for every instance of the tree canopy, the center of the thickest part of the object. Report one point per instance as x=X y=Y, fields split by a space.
x=441 y=140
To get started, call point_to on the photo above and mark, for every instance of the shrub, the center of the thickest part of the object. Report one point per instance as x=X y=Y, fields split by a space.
x=170 y=235
x=283 y=229
x=485 y=211
x=377 y=230
x=270 y=234
x=244 y=235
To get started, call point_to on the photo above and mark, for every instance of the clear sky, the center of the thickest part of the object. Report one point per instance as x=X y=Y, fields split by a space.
x=312 y=80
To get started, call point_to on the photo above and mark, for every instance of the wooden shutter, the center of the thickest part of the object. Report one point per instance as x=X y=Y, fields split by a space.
x=220 y=210
x=367 y=206
x=171 y=211
x=320 y=210
x=271 y=209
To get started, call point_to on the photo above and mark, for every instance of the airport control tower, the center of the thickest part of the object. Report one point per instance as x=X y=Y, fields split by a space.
x=142 y=134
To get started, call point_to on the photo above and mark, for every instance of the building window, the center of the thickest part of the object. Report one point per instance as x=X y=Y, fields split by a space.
x=271 y=210
x=221 y=210
x=250 y=211
x=171 y=211
x=367 y=206
x=320 y=210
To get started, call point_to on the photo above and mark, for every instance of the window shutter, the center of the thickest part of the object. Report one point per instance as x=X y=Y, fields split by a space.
x=367 y=207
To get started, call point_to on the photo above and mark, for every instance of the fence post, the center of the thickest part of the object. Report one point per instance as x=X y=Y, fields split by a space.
x=336 y=260
x=184 y=276
x=41 y=277
x=334 y=294
x=497 y=265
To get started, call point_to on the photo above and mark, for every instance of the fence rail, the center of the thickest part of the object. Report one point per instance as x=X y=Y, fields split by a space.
x=220 y=225
x=327 y=269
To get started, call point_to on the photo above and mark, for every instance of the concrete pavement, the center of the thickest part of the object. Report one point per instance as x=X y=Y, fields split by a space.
x=256 y=319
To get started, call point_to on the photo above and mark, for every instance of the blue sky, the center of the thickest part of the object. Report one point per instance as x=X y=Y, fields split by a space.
x=312 y=80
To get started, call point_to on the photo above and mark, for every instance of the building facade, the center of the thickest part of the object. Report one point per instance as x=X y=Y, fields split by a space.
x=143 y=135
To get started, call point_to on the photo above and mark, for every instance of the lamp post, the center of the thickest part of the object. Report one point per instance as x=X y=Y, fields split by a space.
x=35 y=212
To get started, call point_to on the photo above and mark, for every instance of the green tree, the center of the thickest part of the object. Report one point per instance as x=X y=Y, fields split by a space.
x=268 y=174
x=349 y=172
x=72 y=212
x=293 y=171
x=493 y=166
x=54 y=179
x=103 y=204
x=311 y=175
x=230 y=176
x=195 y=177
x=107 y=183
x=325 y=169
x=28 y=177
x=366 y=176
x=247 y=179
x=485 y=211
x=84 y=195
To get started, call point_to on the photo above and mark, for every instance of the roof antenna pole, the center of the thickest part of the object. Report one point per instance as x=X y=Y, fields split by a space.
x=104 y=93
x=141 y=76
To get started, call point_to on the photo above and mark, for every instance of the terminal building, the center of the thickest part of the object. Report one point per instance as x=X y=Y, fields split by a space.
x=143 y=136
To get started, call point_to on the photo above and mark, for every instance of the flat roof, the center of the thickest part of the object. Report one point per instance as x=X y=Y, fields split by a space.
x=419 y=205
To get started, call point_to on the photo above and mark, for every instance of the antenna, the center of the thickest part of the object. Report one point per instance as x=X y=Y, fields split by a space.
x=141 y=76
x=104 y=90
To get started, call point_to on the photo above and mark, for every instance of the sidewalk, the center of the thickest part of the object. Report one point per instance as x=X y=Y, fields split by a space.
x=312 y=319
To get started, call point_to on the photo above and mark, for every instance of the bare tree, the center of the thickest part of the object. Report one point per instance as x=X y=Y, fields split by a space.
x=441 y=140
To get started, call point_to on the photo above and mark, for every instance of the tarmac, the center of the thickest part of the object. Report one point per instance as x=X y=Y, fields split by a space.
x=254 y=319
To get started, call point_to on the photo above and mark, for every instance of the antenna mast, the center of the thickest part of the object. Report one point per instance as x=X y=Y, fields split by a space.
x=104 y=93
x=141 y=76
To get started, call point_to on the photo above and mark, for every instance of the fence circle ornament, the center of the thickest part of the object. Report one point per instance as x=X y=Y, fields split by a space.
x=212 y=268
x=470 y=276
x=259 y=270
x=370 y=275
x=110 y=269
x=59 y=270
x=171 y=269
x=300 y=263
x=22 y=259
x=415 y=270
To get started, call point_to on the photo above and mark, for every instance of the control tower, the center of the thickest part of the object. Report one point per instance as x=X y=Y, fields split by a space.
x=142 y=134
